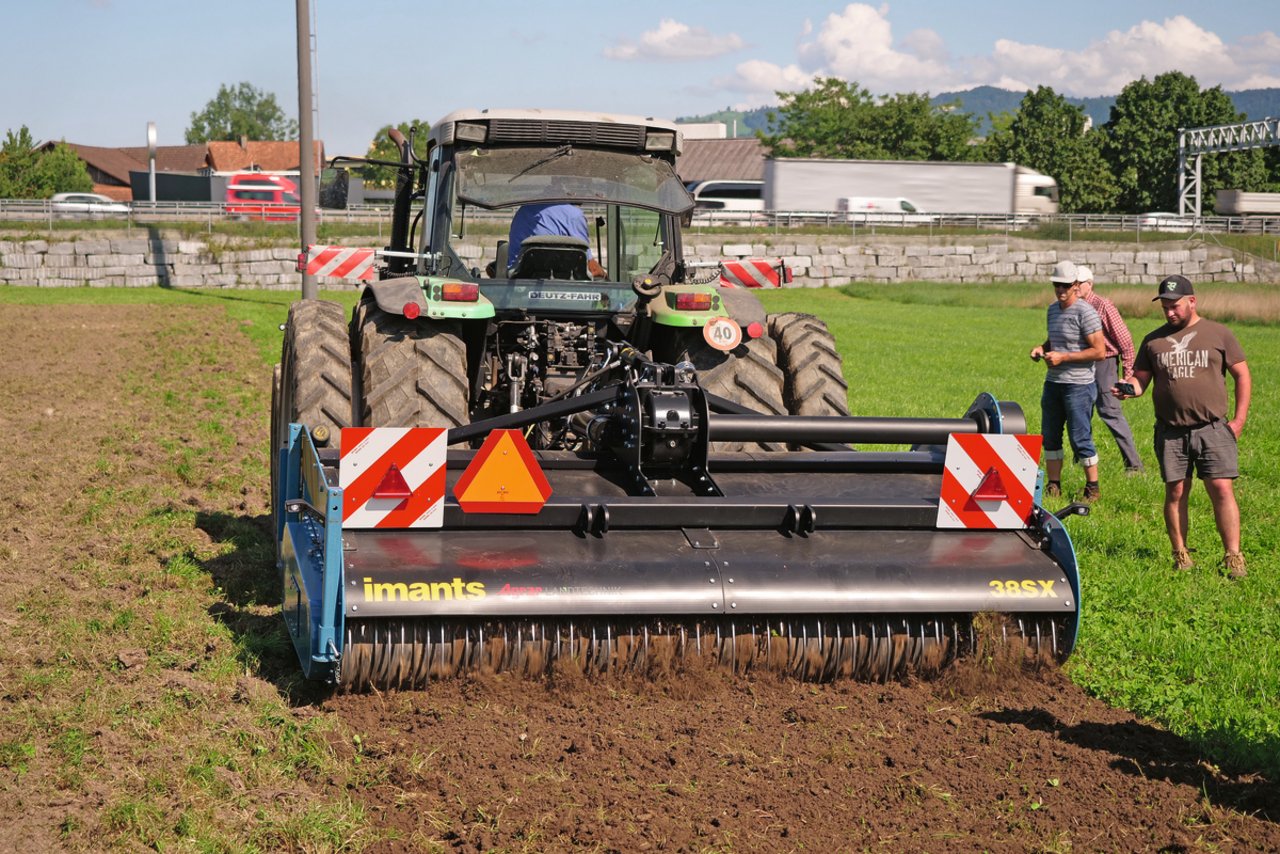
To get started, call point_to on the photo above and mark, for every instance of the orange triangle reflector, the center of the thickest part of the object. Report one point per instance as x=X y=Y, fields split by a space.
x=991 y=488
x=393 y=485
x=503 y=477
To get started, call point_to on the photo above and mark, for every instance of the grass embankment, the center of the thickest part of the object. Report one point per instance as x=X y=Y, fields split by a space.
x=1193 y=651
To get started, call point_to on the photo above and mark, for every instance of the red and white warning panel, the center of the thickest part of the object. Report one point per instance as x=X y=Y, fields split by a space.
x=754 y=273
x=339 y=262
x=392 y=477
x=988 y=480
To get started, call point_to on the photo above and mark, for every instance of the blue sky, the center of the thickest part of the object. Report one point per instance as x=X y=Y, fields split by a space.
x=96 y=71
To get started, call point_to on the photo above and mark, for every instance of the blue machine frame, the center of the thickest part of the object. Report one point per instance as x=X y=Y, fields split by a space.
x=309 y=531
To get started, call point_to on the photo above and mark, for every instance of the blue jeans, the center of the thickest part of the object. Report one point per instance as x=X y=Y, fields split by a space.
x=1069 y=405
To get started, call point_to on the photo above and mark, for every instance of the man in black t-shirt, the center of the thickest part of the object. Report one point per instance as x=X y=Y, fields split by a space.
x=1188 y=359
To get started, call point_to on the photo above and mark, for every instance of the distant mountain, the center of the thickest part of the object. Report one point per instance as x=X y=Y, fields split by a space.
x=983 y=101
x=745 y=122
x=1257 y=103
x=980 y=101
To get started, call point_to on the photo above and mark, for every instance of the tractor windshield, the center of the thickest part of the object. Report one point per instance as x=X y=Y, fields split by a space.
x=502 y=177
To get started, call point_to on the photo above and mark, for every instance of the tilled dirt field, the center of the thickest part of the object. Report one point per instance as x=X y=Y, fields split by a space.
x=695 y=762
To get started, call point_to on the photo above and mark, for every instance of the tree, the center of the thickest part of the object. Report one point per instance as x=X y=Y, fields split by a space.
x=836 y=118
x=907 y=126
x=242 y=111
x=27 y=172
x=1142 y=142
x=382 y=148
x=1048 y=134
x=829 y=120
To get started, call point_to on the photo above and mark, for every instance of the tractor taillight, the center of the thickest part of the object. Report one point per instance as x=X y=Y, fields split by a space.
x=460 y=292
x=412 y=310
x=693 y=302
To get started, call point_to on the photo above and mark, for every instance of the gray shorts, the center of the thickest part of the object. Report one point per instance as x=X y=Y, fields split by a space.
x=1210 y=451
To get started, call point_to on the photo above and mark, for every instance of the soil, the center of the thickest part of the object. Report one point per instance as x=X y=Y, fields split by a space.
x=696 y=761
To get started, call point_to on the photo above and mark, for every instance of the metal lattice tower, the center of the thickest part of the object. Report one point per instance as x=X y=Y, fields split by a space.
x=1197 y=142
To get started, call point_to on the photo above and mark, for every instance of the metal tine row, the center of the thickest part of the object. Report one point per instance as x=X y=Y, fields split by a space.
x=410 y=654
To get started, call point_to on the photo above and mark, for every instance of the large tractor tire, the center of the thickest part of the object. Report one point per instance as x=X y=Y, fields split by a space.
x=813 y=372
x=413 y=373
x=312 y=384
x=748 y=376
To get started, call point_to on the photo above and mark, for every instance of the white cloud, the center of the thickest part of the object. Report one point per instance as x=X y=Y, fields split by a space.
x=674 y=40
x=857 y=44
x=755 y=81
x=926 y=44
x=1105 y=66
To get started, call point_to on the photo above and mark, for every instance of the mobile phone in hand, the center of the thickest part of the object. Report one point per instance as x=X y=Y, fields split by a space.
x=1127 y=389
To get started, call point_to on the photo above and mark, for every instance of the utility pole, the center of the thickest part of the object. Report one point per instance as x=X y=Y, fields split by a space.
x=306 y=145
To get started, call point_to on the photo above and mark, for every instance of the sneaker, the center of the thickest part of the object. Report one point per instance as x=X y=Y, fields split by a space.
x=1134 y=471
x=1091 y=493
x=1182 y=559
x=1233 y=563
x=1053 y=489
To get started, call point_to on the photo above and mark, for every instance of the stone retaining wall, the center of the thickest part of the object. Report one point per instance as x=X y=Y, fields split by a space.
x=132 y=261
x=144 y=261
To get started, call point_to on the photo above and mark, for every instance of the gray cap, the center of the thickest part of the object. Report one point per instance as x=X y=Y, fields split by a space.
x=1064 y=272
x=1084 y=274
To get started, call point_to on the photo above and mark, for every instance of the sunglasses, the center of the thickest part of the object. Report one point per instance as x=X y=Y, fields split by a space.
x=1057 y=285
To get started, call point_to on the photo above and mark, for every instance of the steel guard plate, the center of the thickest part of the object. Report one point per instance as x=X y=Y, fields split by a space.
x=549 y=573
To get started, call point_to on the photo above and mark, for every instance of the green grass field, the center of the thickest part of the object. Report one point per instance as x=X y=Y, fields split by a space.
x=1192 y=651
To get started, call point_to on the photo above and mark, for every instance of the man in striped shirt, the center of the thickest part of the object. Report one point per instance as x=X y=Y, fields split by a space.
x=1073 y=345
x=1119 y=344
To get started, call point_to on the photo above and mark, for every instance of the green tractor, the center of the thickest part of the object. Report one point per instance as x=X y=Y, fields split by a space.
x=696 y=489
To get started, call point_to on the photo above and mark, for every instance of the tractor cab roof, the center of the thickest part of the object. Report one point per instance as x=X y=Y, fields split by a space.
x=506 y=158
x=576 y=127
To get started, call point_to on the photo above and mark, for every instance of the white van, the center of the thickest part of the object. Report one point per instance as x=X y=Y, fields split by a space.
x=728 y=199
x=882 y=210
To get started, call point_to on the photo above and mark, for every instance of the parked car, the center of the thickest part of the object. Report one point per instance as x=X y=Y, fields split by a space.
x=86 y=204
x=1164 y=221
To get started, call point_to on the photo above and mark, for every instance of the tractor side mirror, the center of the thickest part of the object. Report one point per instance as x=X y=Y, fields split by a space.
x=335 y=187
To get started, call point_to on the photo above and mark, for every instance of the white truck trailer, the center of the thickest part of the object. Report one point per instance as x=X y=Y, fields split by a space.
x=936 y=187
x=1239 y=203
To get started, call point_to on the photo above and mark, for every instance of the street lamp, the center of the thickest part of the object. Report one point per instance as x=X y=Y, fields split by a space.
x=151 y=157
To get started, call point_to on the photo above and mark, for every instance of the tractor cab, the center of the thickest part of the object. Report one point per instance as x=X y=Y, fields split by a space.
x=554 y=196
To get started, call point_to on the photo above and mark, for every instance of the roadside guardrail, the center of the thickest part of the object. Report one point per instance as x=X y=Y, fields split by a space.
x=150 y=213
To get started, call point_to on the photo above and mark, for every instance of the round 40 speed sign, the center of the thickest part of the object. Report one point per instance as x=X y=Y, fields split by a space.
x=722 y=333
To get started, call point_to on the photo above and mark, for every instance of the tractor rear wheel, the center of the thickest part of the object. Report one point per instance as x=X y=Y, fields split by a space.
x=312 y=384
x=748 y=376
x=412 y=373
x=813 y=372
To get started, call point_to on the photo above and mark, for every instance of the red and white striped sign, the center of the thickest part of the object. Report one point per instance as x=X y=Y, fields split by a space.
x=754 y=273
x=340 y=262
x=987 y=481
x=392 y=477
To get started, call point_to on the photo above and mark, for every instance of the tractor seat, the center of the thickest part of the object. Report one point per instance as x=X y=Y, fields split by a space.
x=552 y=256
